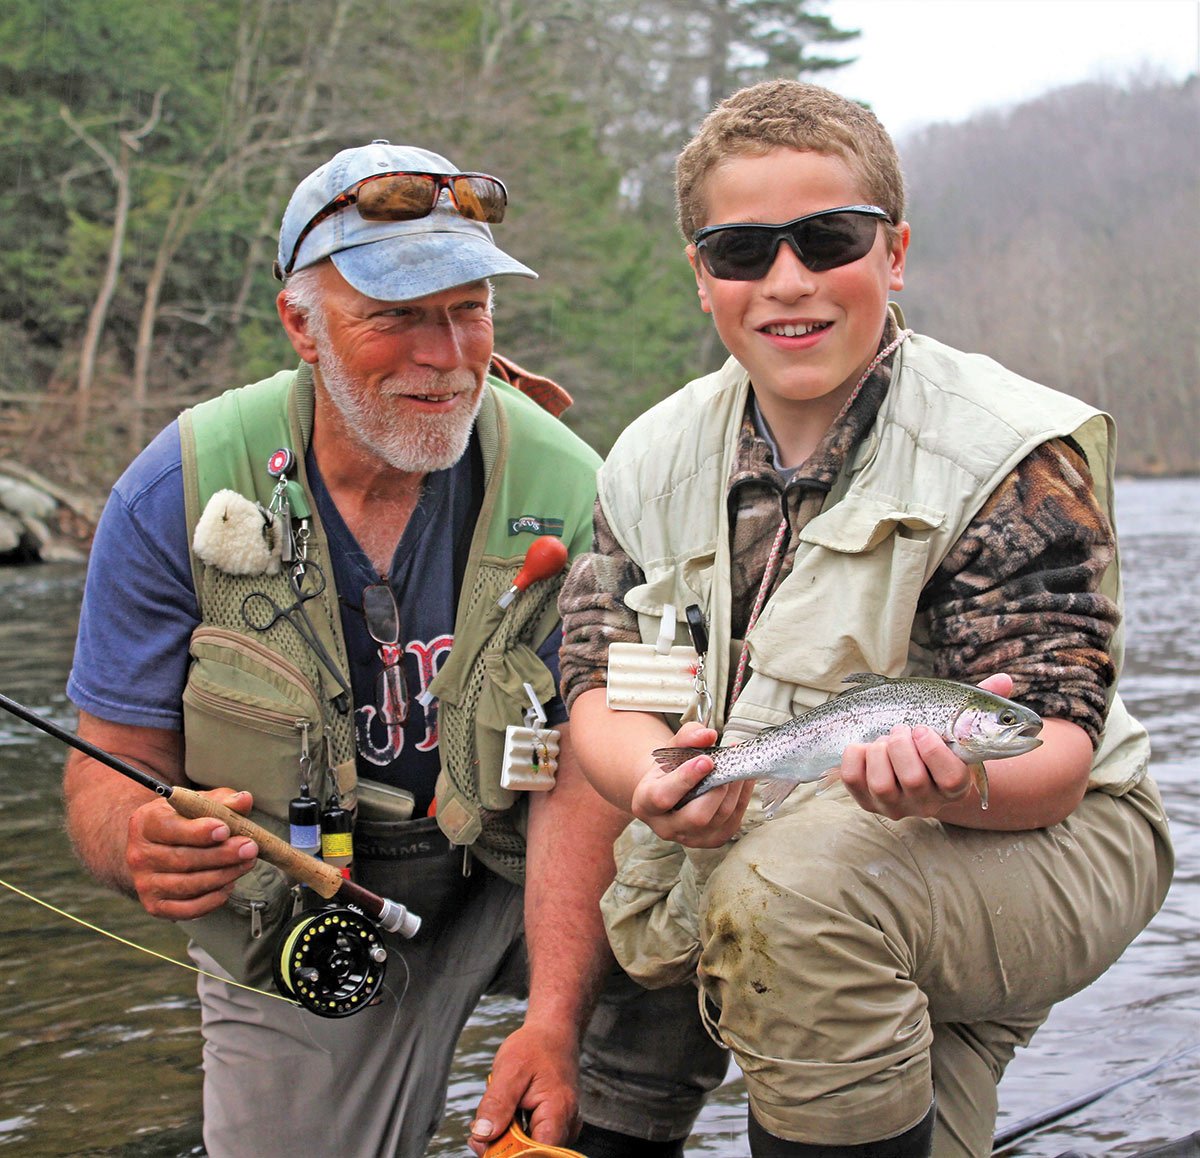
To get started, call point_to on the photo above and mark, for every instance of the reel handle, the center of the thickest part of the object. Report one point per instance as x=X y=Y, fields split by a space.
x=322 y=878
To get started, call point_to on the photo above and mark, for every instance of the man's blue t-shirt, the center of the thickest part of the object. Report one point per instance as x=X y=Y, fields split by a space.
x=139 y=608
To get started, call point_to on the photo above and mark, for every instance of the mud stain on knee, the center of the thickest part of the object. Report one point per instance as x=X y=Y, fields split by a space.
x=737 y=940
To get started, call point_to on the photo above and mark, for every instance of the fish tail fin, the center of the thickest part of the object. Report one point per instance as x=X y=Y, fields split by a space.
x=669 y=759
x=979 y=776
x=774 y=793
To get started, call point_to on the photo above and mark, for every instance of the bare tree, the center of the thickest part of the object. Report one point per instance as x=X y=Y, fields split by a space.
x=251 y=133
x=119 y=167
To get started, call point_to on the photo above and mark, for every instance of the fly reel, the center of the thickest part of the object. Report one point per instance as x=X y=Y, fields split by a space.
x=331 y=961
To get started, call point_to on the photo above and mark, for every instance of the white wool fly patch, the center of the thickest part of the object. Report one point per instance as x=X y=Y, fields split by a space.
x=237 y=536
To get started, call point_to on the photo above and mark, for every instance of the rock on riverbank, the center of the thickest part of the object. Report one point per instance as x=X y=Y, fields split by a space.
x=40 y=521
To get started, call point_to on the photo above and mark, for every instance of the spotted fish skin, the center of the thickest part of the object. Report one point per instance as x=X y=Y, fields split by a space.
x=977 y=725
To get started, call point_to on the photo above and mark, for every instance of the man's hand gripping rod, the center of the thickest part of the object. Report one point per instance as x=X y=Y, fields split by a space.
x=322 y=878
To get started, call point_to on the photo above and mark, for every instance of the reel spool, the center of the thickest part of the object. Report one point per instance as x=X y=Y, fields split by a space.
x=331 y=961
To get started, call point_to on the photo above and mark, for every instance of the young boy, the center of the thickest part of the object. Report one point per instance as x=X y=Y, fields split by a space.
x=844 y=496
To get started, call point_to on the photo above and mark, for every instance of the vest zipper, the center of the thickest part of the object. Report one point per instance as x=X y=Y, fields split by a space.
x=285 y=721
x=235 y=641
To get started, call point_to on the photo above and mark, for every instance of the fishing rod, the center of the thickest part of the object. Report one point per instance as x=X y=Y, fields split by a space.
x=330 y=960
x=1018 y=1130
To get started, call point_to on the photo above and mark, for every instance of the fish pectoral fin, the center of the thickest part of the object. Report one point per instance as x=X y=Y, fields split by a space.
x=828 y=779
x=774 y=793
x=669 y=759
x=979 y=776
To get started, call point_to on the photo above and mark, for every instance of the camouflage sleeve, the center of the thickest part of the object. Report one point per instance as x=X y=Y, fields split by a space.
x=593 y=611
x=1019 y=592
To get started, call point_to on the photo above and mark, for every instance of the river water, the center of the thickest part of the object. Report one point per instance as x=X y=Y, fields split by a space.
x=99 y=1045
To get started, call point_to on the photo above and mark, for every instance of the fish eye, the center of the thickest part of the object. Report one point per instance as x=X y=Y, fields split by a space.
x=1008 y=716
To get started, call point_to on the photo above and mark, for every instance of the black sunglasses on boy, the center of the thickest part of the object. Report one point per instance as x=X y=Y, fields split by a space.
x=745 y=251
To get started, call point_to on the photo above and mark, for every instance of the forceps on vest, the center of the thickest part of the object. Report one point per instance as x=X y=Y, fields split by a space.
x=261 y=612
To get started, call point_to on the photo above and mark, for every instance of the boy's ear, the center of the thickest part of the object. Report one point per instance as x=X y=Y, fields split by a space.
x=898 y=254
x=701 y=288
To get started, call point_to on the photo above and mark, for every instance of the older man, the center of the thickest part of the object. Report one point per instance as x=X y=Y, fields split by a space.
x=383 y=496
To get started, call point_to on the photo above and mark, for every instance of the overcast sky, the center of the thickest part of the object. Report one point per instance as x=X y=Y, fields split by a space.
x=942 y=60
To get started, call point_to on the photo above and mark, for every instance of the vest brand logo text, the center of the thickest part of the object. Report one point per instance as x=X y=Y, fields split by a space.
x=536 y=525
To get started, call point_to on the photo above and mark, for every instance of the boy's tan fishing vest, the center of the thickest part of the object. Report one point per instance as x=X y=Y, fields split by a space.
x=255 y=703
x=950 y=429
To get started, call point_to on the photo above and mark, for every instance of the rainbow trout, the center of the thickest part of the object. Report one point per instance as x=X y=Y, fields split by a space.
x=975 y=724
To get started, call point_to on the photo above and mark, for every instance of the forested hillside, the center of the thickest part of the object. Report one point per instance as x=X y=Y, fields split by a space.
x=1063 y=238
x=148 y=151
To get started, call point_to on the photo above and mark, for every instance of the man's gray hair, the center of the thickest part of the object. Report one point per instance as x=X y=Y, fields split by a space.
x=303 y=292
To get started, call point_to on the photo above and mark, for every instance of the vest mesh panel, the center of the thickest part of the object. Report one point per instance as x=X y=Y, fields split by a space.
x=501 y=842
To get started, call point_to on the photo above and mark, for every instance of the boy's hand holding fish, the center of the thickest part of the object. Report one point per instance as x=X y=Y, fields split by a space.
x=706 y=822
x=912 y=771
x=912 y=768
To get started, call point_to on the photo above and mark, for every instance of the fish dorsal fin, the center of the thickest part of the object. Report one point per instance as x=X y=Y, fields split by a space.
x=864 y=679
x=774 y=793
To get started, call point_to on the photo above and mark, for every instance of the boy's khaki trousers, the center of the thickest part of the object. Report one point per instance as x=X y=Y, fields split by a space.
x=857 y=965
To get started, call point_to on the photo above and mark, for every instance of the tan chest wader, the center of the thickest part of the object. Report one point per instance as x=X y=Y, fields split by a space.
x=256 y=703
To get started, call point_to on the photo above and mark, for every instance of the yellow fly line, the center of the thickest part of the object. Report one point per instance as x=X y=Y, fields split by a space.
x=142 y=948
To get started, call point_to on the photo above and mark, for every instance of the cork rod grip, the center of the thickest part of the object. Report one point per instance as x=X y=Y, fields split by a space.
x=323 y=878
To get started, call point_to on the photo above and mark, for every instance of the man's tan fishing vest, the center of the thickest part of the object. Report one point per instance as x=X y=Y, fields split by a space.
x=256 y=703
x=950 y=429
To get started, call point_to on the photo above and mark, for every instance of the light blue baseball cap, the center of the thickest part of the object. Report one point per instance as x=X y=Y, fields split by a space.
x=390 y=260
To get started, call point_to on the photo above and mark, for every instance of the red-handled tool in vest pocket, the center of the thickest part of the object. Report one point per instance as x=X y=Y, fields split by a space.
x=546 y=556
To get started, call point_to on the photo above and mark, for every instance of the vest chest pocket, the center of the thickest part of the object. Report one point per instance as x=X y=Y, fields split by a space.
x=502 y=702
x=249 y=717
x=851 y=599
x=682 y=584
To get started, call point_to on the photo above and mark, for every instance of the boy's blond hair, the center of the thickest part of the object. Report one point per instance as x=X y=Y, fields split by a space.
x=794 y=115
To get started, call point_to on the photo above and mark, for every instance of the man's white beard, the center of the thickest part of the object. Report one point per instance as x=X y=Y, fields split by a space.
x=420 y=443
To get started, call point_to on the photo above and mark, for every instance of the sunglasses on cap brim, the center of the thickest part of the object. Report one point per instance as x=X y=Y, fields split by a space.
x=404 y=196
x=745 y=251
